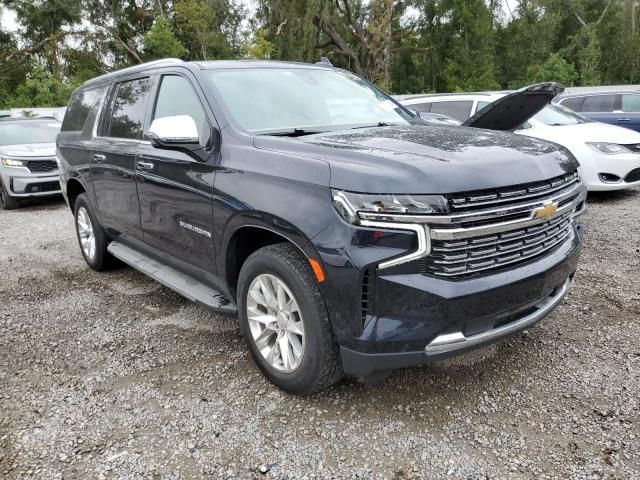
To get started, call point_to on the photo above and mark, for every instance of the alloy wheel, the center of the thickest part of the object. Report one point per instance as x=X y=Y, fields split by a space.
x=275 y=322
x=86 y=234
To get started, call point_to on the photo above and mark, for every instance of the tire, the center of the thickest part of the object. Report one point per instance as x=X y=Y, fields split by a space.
x=319 y=365
x=85 y=220
x=7 y=202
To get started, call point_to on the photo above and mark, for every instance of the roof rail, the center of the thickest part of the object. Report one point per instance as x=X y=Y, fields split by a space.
x=13 y=119
x=133 y=68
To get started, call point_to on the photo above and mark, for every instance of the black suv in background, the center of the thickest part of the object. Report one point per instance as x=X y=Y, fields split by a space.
x=348 y=236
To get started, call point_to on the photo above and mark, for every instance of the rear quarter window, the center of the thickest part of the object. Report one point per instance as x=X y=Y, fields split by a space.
x=574 y=104
x=79 y=107
x=419 y=107
x=630 y=103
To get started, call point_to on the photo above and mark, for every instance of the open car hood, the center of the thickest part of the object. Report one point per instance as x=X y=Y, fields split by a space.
x=511 y=111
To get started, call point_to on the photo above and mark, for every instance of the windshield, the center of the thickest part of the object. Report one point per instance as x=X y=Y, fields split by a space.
x=555 y=115
x=264 y=100
x=28 y=131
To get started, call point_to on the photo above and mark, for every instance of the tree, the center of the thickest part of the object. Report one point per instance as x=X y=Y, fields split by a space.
x=554 y=69
x=209 y=29
x=41 y=89
x=161 y=42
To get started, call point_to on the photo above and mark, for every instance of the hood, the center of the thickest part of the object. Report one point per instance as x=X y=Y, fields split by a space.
x=29 y=150
x=427 y=159
x=587 y=132
x=511 y=111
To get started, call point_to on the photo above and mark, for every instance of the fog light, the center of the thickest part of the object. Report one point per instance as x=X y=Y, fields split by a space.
x=609 y=178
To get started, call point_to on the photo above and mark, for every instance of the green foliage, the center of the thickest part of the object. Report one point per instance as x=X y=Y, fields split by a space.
x=161 y=42
x=259 y=47
x=555 y=68
x=40 y=89
x=208 y=28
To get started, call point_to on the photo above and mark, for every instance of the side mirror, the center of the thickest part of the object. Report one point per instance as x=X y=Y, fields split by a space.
x=178 y=132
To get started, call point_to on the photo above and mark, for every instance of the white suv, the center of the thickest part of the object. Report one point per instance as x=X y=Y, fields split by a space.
x=28 y=166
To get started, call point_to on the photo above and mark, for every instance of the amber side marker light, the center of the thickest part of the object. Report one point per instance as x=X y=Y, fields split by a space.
x=317 y=270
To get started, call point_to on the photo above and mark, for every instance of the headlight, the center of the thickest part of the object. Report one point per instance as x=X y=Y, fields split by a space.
x=608 y=148
x=354 y=207
x=9 y=162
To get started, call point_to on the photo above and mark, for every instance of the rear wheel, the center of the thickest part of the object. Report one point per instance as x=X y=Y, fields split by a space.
x=91 y=237
x=7 y=202
x=285 y=322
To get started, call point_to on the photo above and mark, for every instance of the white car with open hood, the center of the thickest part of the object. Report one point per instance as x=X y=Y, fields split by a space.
x=609 y=156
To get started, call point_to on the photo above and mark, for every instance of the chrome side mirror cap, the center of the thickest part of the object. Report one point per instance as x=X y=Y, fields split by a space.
x=177 y=130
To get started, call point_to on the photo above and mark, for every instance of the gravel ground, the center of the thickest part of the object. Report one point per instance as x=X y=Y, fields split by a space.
x=113 y=376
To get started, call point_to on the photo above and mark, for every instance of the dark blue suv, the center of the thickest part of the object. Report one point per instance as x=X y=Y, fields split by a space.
x=348 y=236
x=621 y=108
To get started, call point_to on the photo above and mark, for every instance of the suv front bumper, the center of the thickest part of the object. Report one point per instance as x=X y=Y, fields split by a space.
x=20 y=183
x=420 y=319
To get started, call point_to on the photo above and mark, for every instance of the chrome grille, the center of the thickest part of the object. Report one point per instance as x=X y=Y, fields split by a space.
x=491 y=230
x=469 y=256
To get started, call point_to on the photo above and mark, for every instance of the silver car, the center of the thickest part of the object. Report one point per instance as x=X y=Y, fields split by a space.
x=28 y=166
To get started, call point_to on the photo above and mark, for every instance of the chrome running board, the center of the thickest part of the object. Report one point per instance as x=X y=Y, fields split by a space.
x=450 y=342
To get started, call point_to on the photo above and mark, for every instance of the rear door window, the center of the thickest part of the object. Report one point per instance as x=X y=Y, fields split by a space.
x=630 y=103
x=458 y=109
x=574 y=103
x=127 y=112
x=599 y=103
x=79 y=107
x=177 y=97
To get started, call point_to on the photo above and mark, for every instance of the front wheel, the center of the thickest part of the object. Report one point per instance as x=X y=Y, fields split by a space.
x=7 y=202
x=285 y=322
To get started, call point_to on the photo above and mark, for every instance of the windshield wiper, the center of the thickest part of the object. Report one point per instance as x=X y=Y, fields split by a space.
x=379 y=124
x=292 y=132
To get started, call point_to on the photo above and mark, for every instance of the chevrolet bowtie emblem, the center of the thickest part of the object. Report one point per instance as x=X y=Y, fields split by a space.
x=547 y=211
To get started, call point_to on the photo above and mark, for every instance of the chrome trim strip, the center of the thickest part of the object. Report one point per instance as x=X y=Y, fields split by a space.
x=474 y=216
x=523 y=196
x=450 y=342
x=458 y=233
x=424 y=242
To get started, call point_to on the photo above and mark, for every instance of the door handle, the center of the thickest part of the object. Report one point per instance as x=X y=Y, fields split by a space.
x=98 y=158
x=624 y=119
x=145 y=165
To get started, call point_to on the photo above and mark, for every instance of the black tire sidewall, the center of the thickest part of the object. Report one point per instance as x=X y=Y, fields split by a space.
x=7 y=202
x=307 y=374
x=98 y=261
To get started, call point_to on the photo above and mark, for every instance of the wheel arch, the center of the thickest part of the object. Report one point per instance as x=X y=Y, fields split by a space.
x=74 y=189
x=247 y=233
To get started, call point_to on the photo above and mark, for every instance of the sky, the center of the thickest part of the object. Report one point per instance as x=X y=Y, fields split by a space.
x=9 y=20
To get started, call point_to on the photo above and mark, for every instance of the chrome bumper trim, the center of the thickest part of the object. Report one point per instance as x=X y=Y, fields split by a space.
x=450 y=342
